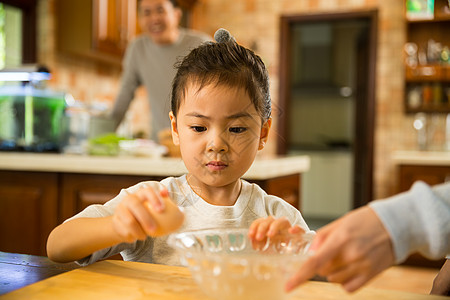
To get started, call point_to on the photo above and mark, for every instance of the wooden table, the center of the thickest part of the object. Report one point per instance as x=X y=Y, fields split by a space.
x=132 y=280
x=19 y=270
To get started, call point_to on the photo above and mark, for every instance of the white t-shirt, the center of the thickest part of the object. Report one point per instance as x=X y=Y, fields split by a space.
x=252 y=203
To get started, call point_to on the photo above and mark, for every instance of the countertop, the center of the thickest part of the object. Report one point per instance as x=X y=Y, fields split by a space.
x=434 y=158
x=133 y=280
x=262 y=168
x=20 y=270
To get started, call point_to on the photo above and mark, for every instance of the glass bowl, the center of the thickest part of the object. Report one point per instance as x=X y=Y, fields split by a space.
x=226 y=265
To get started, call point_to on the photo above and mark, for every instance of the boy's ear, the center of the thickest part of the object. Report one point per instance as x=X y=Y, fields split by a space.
x=264 y=133
x=173 y=125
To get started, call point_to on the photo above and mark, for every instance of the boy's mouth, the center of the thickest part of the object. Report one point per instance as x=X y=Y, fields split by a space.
x=216 y=165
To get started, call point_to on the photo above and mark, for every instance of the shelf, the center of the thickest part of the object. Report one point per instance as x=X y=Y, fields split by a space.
x=428 y=73
x=428 y=85
x=437 y=19
x=441 y=109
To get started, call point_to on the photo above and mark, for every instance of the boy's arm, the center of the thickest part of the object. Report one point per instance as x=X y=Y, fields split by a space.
x=141 y=214
x=78 y=238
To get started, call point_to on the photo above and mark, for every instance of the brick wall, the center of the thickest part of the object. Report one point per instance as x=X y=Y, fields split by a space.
x=255 y=24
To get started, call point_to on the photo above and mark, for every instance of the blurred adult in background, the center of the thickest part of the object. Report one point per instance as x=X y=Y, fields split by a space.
x=368 y=240
x=149 y=60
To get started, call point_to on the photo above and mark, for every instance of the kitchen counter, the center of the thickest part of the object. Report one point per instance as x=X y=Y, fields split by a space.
x=53 y=187
x=262 y=168
x=435 y=158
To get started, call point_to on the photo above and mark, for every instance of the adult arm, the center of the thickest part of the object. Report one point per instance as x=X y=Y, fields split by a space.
x=418 y=220
x=128 y=85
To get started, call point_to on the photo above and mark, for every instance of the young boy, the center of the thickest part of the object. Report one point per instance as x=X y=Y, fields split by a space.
x=220 y=118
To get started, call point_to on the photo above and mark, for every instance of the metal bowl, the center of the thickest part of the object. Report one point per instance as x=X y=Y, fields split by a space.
x=226 y=265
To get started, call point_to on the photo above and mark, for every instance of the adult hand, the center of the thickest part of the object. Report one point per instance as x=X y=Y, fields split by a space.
x=441 y=284
x=349 y=251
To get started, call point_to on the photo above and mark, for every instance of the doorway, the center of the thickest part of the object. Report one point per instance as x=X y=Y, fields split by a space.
x=326 y=105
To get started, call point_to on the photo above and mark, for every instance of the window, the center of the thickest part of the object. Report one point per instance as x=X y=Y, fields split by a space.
x=10 y=36
x=17 y=32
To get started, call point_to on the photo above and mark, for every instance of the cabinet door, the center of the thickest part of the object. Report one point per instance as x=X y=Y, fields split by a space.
x=28 y=211
x=97 y=29
x=81 y=190
x=286 y=187
x=73 y=26
x=115 y=24
x=430 y=174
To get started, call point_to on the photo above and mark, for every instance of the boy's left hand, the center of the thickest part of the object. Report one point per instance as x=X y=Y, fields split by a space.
x=262 y=229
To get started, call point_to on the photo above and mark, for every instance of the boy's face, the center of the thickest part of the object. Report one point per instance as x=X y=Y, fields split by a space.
x=219 y=132
x=160 y=20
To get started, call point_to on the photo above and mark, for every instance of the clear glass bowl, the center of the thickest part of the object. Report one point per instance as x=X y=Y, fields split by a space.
x=226 y=265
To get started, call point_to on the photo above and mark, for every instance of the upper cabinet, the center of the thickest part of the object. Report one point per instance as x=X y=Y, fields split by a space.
x=114 y=25
x=99 y=29
x=426 y=56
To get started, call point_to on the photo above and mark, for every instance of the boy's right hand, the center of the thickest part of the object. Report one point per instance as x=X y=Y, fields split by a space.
x=132 y=219
x=276 y=229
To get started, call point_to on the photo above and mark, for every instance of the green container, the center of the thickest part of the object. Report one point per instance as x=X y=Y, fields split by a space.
x=31 y=119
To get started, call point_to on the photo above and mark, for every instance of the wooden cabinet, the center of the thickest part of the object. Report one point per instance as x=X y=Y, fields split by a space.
x=286 y=187
x=427 y=62
x=33 y=203
x=28 y=210
x=114 y=25
x=99 y=29
x=432 y=175
x=81 y=190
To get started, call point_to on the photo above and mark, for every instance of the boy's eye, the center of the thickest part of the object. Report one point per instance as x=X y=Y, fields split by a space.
x=237 y=129
x=198 y=128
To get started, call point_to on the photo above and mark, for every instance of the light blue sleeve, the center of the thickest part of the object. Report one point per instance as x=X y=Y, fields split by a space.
x=417 y=220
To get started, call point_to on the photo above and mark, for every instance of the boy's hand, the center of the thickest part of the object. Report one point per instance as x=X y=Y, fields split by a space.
x=262 y=229
x=132 y=219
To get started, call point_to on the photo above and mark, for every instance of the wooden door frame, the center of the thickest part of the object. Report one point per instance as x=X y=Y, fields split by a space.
x=363 y=149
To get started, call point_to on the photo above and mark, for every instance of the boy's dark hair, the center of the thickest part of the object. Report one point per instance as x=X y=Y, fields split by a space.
x=224 y=63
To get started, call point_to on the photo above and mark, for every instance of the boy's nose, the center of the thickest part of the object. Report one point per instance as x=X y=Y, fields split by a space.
x=218 y=144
